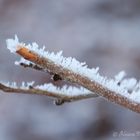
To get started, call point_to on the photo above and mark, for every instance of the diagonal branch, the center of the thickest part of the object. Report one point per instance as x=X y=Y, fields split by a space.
x=71 y=70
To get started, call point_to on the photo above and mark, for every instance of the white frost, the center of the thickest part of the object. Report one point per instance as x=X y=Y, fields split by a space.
x=24 y=85
x=65 y=90
x=22 y=60
x=49 y=87
x=120 y=76
x=12 y=44
x=129 y=83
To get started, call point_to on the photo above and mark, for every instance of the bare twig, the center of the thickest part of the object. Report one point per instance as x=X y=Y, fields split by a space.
x=71 y=76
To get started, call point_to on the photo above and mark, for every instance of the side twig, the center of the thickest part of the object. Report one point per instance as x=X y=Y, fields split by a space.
x=55 y=77
x=58 y=94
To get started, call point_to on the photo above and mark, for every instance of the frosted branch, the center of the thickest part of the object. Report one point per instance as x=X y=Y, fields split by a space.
x=64 y=94
x=125 y=92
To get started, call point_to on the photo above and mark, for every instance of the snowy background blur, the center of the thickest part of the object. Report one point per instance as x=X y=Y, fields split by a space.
x=104 y=33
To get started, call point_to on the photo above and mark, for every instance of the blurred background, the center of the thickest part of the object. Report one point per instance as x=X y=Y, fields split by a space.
x=104 y=33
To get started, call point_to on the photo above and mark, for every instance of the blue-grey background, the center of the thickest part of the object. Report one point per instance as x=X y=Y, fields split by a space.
x=104 y=33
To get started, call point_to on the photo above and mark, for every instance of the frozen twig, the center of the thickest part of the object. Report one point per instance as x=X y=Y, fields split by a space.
x=64 y=94
x=27 y=64
x=122 y=91
x=30 y=65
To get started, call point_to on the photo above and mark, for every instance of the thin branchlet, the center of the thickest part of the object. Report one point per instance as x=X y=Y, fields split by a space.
x=55 y=77
x=59 y=98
